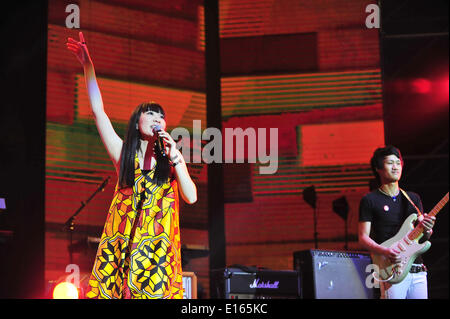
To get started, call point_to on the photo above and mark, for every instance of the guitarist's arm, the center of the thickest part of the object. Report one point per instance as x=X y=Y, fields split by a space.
x=369 y=244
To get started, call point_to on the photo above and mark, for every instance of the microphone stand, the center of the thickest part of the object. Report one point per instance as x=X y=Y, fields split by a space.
x=69 y=225
x=316 y=239
x=346 y=234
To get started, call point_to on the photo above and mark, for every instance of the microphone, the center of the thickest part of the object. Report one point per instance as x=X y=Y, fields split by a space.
x=159 y=140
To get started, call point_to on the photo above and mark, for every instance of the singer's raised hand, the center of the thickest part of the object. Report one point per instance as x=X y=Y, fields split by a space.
x=79 y=49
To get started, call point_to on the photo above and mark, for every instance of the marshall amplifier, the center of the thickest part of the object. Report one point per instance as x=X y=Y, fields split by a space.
x=252 y=283
x=330 y=274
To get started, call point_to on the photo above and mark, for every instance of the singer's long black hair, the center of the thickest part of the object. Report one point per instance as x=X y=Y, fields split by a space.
x=131 y=145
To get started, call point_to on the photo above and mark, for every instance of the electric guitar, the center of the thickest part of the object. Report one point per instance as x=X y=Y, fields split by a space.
x=406 y=241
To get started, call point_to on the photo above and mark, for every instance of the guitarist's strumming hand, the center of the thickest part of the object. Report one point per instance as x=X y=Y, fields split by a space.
x=393 y=255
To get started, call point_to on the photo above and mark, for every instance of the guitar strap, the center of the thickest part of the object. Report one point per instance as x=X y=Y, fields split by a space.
x=412 y=203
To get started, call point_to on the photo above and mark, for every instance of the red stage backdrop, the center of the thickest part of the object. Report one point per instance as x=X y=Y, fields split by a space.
x=309 y=68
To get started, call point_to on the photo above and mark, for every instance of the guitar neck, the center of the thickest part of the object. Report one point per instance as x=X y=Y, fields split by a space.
x=419 y=228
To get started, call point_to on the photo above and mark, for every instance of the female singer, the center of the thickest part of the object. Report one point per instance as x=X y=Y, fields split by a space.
x=139 y=252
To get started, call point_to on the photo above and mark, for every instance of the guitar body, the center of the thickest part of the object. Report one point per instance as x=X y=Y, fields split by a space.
x=409 y=250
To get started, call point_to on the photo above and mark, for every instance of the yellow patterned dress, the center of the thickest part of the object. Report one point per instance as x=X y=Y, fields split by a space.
x=139 y=251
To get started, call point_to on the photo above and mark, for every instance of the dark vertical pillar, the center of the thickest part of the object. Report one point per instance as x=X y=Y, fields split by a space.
x=22 y=146
x=216 y=216
x=414 y=60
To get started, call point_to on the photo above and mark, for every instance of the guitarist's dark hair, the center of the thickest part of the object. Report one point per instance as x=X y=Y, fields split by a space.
x=376 y=162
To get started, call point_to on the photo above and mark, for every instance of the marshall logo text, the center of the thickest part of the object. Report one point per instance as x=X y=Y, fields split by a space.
x=266 y=285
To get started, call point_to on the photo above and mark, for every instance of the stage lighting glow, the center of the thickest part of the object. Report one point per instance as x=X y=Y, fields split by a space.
x=443 y=89
x=440 y=92
x=65 y=290
x=421 y=86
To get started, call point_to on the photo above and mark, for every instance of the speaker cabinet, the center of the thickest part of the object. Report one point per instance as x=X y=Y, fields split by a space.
x=330 y=274
x=189 y=285
x=241 y=282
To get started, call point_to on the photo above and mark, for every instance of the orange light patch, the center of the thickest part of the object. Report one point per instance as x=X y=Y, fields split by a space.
x=340 y=143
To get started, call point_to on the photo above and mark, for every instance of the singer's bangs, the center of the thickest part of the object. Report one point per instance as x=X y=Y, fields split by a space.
x=155 y=107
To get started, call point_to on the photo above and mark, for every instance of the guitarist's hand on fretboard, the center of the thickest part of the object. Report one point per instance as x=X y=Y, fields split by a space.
x=427 y=223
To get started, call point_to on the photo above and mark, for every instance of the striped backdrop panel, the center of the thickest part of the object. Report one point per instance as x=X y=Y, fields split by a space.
x=300 y=92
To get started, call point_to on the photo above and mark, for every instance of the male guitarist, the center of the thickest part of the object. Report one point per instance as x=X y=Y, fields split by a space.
x=382 y=213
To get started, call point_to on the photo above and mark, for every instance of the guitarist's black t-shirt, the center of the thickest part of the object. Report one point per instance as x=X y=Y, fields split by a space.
x=386 y=215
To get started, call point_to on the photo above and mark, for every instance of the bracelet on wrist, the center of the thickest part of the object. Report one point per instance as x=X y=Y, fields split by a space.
x=175 y=161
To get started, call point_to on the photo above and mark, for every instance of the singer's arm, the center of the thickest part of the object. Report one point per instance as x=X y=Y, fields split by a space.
x=187 y=187
x=113 y=143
